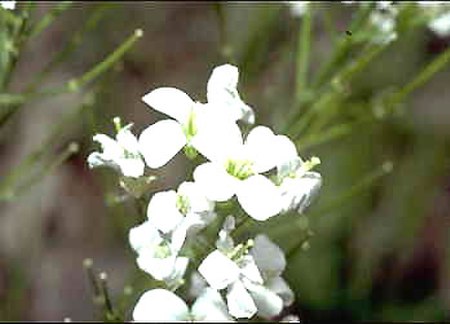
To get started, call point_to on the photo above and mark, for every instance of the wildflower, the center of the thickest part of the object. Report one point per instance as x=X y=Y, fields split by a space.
x=171 y=216
x=384 y=20
x=441 y=25
x=122 y=153
x=10 y=5
x=160 y=305
x=233 y=268
x=235 y=168
x=161 y=141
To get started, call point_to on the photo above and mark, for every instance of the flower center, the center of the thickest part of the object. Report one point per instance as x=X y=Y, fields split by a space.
x=241 y=169
x=240 y=250
x=189 y=128
x=183 y=204
x=162 y=251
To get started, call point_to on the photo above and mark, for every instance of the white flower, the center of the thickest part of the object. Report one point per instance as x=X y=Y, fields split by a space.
x=160 y=305
x=298 y=8
x=384 y=20
x=297 y=184
x=161 y=141
x=236 y=168
x=10 y=5
x=122 y=153
x=156 y=254
x=234 y=269
x=172 y=216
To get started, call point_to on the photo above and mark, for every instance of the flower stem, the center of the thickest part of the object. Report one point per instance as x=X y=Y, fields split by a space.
x=304 y=45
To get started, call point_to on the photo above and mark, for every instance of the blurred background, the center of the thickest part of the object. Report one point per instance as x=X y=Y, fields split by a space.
x=379 y=229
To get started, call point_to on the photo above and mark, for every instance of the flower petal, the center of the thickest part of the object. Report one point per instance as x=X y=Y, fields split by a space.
x=250 y=270
x=215 y=182
x=144 y=236
x=196 y=197
x=259 y=197
x=170 y=101
x=279 y=286
x=127 y=140
x=160 y=305
x=131 y=167
x=267 y=302
x=162 y=211
x=218 y=270
x=223 y=95
x=298 y=193
x=210 y=307
x=240 y=303
x=217 y=139
x=160 y=142
x=158 y=268
x=260 y=147
x=284 y=149
x=111 y=149
x=268 y=256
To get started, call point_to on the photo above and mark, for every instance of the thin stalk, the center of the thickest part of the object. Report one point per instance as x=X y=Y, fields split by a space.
x=304 y=47
x=49 y=18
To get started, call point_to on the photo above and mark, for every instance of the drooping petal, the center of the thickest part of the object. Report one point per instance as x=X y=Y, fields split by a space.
x=259 y=197
x=160 y=142
x=160 y=305
x=279 y=286
x=239 y=301
x=170 y=101
x=210 y=307
x=215 y=182
x=250 y=270
x=268 y=303
x=96 y=159
x=268 y=256
x=218 y=270
x=162 y=211
x=144 y=236
x=298 y=193
x=216 y=139
x=260 y=148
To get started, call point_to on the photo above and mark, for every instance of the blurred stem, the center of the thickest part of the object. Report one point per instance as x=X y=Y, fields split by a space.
x=304 y=45
x=71 y=45
x=330 y=26
x=110 y=314
x=340 y=54
x=432 y=68
x=73 y=85
x=357 y=188
x=225 y=48
x=48 y=18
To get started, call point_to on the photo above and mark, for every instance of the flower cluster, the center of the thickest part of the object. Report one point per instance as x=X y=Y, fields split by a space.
x=261 y=169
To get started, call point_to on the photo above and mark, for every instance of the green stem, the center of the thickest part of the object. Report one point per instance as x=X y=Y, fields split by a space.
x=48 y=19
x=304 y=45
x=225 y=48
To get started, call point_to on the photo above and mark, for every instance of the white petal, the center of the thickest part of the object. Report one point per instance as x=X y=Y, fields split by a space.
x=216 y=139
x=131 y=167
x=162 y=211
x=196 y=197
x=250 y=270
x=284 y=149
x=215 y=182
x=127 y=140
x=160 y=305
x=267 y=302
x=298 y=193
x=198 y=284
x=218 y=270
x=111 y=149
x=179 y=268
x=170 y=101
x=260 y=147
x=223 y=95
x=268 y=256
x=144 y=236
x=240 y=303
x=279 y=286
x=158 y=268
x=96 y=159
x=160 y=142
x=210 y=307
x=259 y=197
x=441 y=25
